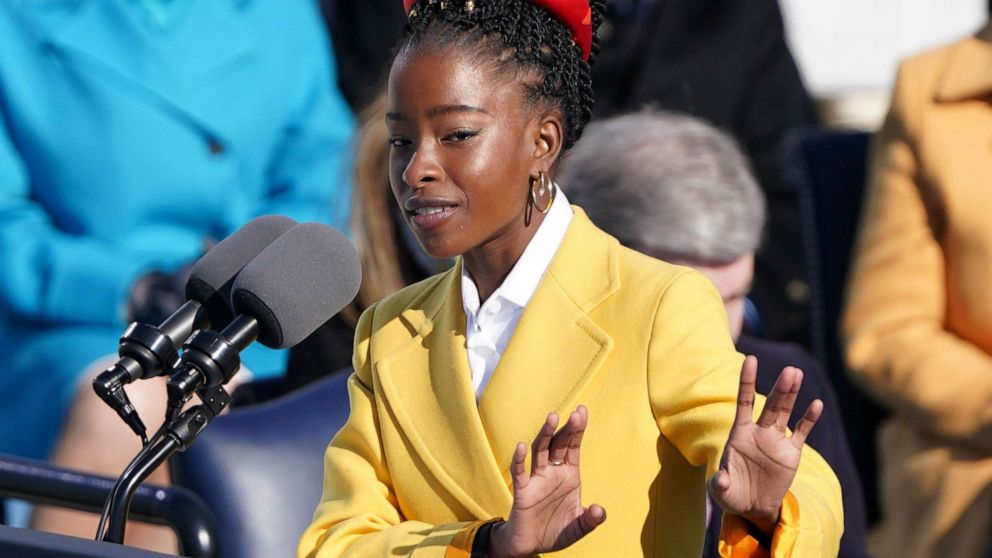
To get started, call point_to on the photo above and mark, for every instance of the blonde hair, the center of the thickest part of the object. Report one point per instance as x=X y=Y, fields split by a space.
x=372 y=225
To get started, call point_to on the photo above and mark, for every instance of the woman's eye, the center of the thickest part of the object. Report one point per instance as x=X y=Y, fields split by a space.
x=460 y=135
x=398 y=142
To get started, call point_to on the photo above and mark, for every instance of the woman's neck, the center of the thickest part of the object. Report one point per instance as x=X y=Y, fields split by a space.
x=490 y=263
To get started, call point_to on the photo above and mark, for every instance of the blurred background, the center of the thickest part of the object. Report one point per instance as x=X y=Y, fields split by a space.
x=848 y=51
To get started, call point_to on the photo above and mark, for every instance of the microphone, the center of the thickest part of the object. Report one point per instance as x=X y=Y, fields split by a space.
x=297 y=283
x=147 y=351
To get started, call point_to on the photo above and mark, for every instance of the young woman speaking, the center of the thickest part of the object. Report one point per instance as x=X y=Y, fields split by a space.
x=546 y=331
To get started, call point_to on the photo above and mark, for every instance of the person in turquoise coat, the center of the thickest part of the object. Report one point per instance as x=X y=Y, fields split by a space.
x=132 y=134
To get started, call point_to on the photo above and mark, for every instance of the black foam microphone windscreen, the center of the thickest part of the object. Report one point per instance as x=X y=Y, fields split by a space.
x=296 y=284
x=213 y=275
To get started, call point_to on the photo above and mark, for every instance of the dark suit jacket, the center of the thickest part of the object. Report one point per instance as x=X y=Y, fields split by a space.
x=725 y=61
x=364 y=33
x=828 y=438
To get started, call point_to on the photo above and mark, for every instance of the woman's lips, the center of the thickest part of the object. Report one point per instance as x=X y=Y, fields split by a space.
x=428 y=217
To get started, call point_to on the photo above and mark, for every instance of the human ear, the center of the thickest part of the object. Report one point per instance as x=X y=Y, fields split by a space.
x=548 y=139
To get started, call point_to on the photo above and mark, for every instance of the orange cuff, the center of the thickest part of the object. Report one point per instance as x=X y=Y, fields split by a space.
x=736 y=540
x=461 y=545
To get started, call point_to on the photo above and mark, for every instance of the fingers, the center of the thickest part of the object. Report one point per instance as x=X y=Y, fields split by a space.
x=565 y=444
x=789 y=399
x=592 y=517
x=806 y=424
x=539 y=447
x=559 y=448
x=745 y=392
x=559 y=443
x=718 y=483
x=781 y=400
x=517 y=469
x=575 y=444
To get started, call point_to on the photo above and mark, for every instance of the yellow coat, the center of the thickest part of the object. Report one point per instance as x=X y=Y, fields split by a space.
x=918 y=320
x=643 y=344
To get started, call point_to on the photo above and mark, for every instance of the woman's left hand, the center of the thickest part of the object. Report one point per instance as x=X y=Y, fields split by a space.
x=760 y=459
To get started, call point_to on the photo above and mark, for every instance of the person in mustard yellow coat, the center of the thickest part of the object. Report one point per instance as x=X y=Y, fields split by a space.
x=546 y=321
x=918 y=319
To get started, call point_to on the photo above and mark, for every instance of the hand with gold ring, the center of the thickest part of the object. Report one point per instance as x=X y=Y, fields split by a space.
x=547 y=513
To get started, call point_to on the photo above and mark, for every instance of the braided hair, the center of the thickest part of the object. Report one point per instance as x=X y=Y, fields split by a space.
x=524 y=41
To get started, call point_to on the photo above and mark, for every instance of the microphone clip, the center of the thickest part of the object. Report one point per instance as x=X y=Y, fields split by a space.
x=144 y=350
x=210 y=359
x=152 y=350
x=109 y=386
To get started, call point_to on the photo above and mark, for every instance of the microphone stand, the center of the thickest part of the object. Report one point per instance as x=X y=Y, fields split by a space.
x=173 y=437
x=209 y=361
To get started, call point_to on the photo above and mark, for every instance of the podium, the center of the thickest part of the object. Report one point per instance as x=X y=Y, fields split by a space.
x=27 y=543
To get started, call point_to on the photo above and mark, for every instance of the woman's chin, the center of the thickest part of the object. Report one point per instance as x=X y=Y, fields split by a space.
x=444 y=254
x=439 y=249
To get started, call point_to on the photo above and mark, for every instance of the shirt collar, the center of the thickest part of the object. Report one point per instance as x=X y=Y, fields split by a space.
x=523 y=279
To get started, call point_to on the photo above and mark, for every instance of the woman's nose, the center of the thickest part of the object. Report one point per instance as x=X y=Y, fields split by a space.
x=422 y=168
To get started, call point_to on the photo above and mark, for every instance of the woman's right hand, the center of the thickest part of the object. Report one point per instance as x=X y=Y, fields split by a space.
x=547 y=513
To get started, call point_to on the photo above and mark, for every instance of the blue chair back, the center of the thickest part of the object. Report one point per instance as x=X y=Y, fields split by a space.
x=829 y=170
x=260 y=468
x=833 y=164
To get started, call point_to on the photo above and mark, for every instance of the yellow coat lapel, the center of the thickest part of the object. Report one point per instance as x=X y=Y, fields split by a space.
x=556 y=348
x=428 y=385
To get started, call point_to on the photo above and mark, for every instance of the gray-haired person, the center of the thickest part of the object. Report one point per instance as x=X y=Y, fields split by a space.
x=676 y=188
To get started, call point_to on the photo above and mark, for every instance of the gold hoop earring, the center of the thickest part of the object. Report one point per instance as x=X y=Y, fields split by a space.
x=539 y=187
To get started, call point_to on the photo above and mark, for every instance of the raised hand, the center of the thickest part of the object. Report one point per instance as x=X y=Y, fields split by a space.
x=547 y=513
x=760 y=459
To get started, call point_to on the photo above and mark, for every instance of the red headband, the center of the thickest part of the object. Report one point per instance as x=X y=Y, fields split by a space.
x=575 y=14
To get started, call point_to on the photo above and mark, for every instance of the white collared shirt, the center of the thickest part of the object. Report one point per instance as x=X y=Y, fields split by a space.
x=488 y=328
